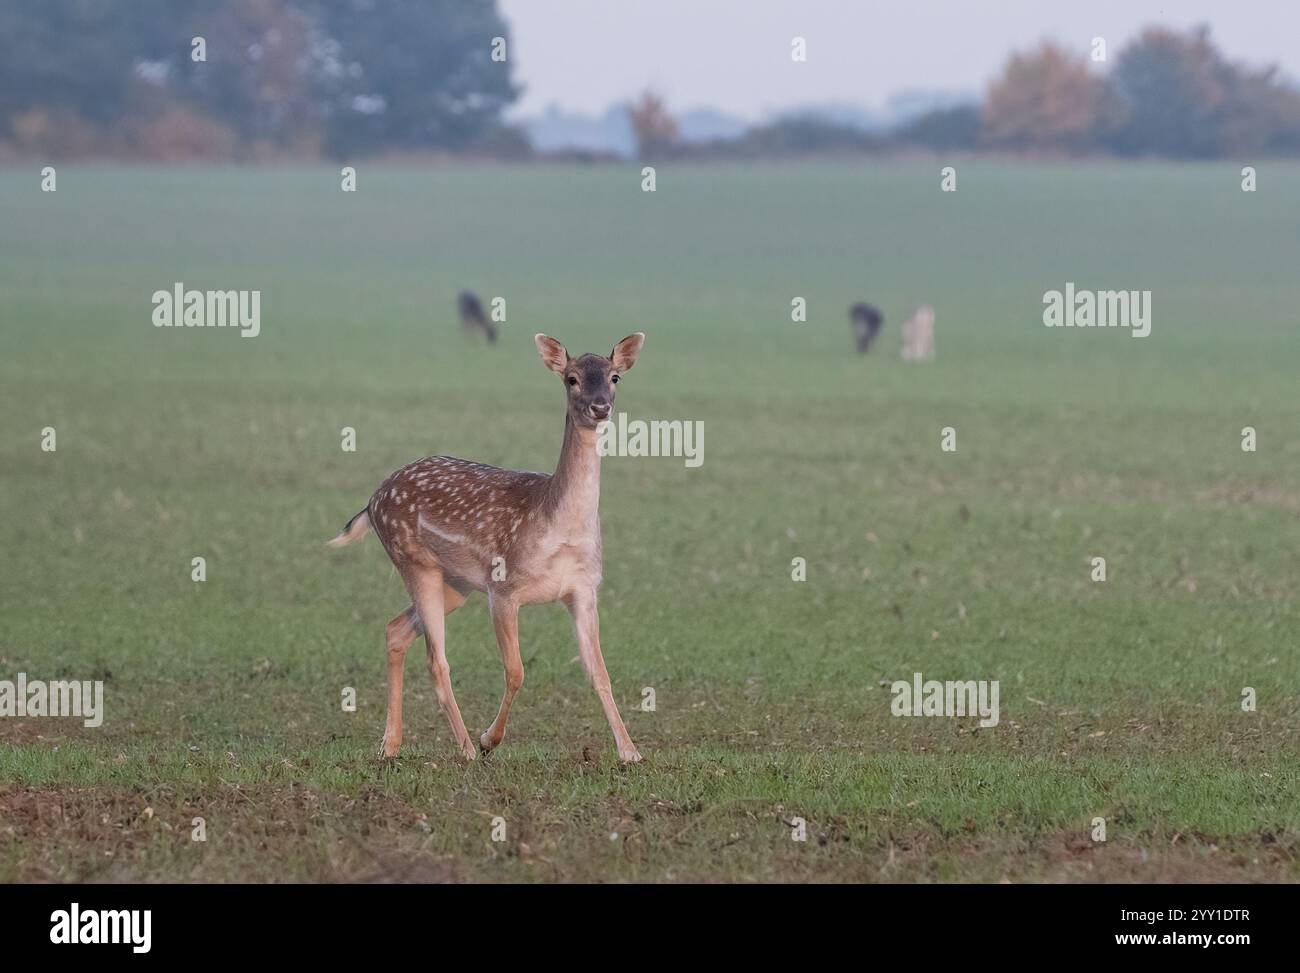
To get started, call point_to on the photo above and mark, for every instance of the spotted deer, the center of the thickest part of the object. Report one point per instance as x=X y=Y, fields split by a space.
x=452 y=527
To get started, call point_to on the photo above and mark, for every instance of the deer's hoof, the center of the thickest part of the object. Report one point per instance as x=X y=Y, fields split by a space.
x=629 y=756
x=485 y=743
x=388 y=749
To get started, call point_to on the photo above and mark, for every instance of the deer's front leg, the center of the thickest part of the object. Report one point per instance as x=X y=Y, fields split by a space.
x=586 y=622
x=505 y=619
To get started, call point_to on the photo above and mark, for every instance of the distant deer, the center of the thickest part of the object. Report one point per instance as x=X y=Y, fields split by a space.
x=452 y=527
x=865 y=321
x=472 y=317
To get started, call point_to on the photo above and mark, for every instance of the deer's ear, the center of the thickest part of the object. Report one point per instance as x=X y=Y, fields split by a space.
x=553 y=353
x=624 y=354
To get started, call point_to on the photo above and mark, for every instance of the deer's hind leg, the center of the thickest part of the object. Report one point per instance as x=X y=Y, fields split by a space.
x=402 y=631
x=433 y=600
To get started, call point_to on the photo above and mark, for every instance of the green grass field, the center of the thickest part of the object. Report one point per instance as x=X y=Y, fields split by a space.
x=1119 y=700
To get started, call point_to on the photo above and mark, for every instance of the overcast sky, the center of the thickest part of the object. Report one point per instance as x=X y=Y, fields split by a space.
x=735 y=54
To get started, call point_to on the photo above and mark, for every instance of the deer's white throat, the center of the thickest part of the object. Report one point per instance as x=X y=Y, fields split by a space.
x=576 y=482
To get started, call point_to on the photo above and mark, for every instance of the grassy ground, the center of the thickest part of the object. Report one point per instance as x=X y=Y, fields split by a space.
x=1118 y=700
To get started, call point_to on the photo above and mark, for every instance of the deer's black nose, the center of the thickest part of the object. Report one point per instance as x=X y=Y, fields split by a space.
x=600 y=410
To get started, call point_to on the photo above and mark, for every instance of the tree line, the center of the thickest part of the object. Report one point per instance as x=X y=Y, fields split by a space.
x=254 y=79
x=1169 y=94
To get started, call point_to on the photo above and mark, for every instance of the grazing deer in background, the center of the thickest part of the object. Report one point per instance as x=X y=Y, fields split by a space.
x=472 y=317
x=452 y=527
x=865 y=321
x=918 y=335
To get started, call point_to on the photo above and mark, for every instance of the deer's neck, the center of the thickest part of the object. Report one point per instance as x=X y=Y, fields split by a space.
x=573 y=496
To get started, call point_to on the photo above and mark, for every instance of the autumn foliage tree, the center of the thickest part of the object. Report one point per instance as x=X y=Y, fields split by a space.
x=1171 y=94
x=1047 y=100
x=654 y=128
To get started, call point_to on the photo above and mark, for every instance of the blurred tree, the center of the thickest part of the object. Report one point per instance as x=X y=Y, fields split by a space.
x=362 y=75
x=944 y=129
x=407 y=74
x=1262 y=115
x=1183 y=99
x=76 y=57
x=502 y=142
x=654 y=128
x=257 y=76
x=1047 y=100
x=1174 y=89
x=808 y=134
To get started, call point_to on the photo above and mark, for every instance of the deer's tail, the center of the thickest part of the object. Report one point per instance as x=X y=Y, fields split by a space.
x=353 y=530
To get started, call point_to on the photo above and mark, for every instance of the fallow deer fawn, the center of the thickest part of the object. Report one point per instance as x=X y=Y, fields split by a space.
x=452 y=527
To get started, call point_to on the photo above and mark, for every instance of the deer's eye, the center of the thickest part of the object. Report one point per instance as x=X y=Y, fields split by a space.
x=572 y=380
x=614 y=379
